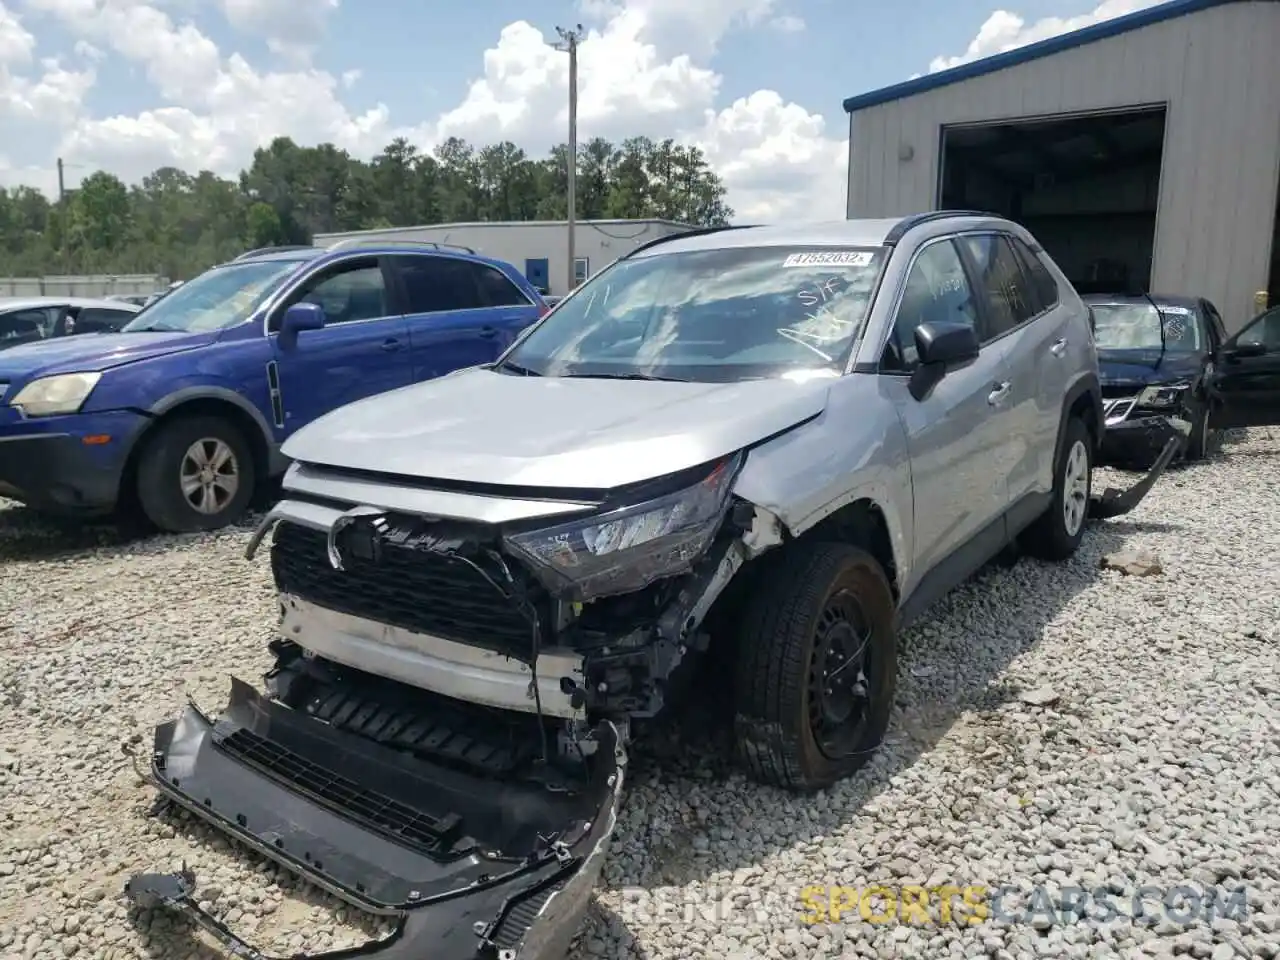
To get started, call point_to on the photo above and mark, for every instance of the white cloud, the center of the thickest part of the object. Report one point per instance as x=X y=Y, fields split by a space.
x=788 y=23
x=643 y=70
x=1005 y=30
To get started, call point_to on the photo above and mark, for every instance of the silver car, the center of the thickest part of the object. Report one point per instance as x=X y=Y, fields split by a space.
x=769 y=446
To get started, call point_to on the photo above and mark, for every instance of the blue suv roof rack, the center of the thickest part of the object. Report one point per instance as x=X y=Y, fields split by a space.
x=377 y=242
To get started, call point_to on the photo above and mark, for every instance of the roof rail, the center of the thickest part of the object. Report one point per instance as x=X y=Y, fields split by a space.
x=696 y=232
x=917 y=219
x=261 y=250
x=377 y=242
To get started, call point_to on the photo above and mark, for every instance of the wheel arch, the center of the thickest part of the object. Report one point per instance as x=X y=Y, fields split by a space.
x=862 y=522
x=204 y=401
x=1083 y=399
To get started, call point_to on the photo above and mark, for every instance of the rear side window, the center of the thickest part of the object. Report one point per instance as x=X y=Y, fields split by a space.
x=1042 y=282
x=25 y=325
x=1000 y=280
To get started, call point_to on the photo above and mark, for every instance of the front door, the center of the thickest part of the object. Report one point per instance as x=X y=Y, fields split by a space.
x=363 y=348
x=1246 y=379
x=957 y=434
x=459 y=312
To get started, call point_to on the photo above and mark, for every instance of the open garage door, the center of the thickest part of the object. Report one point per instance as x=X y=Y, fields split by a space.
x=1086 y=185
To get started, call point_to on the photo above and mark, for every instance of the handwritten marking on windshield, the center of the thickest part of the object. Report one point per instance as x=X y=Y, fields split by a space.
x=825 y=291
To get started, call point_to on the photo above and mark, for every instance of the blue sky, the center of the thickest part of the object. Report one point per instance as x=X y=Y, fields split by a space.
x=128 y=85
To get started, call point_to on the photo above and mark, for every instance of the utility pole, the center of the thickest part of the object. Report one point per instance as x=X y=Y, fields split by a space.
x=62 y=218
x=569 y=40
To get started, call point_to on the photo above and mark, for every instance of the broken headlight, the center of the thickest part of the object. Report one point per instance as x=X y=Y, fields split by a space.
x=1164 y=395
x=629 y=548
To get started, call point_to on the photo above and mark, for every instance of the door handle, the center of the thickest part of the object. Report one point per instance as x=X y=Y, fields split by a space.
x=1000 y=391
x=390 y=344
x=488 y=332
x=1059 y=347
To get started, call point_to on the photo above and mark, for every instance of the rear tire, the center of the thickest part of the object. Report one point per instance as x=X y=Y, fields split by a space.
x=799 y=722
x=1057 y=533
x=195 y=474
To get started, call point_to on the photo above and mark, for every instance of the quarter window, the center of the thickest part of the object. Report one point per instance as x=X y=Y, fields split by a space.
x=1042 y=282
x=999 y=276
x=936 y=291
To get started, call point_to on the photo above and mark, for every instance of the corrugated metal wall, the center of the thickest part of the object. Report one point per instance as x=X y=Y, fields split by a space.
x=599 y=242
x=1219 y=73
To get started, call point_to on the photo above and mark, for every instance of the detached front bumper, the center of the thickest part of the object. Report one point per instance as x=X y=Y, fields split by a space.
x=1136 y=442
x=388 y=834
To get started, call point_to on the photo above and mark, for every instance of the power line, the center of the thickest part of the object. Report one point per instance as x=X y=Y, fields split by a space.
x=569 y=40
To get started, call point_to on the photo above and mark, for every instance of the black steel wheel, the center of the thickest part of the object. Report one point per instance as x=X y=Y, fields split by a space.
x=816 y=666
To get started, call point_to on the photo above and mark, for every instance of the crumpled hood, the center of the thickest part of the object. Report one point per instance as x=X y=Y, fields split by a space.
x=484 y=427
x=85 y=352
x=1145 y=367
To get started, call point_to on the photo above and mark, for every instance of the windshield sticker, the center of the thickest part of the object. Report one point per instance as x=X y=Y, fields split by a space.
x=1177 y=311
x=830 y=258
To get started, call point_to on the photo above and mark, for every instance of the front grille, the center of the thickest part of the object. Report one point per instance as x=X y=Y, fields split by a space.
x=391 y=818
x=413 y=589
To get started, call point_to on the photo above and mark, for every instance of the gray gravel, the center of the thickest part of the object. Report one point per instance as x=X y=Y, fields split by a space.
x=1058 y=728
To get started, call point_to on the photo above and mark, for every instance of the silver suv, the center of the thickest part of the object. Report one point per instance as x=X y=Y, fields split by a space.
x=776 y=445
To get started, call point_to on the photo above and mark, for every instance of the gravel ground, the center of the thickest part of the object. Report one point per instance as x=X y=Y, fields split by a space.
x=1058 y=728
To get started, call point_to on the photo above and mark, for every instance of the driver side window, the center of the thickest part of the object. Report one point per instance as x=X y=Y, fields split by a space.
x=937 y=290
x=347 y=293
x=1264 y=330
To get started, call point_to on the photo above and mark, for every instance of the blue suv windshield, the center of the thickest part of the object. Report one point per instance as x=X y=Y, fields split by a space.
x=218 y=298
x=709 y=316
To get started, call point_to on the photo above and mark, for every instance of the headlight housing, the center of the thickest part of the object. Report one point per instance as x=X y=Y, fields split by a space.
x=49 y=396
x=1164 y=395
x=627 y=549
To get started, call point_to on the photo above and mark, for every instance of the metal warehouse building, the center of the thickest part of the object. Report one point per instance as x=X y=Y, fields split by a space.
x=538 y=247
x=1144 y=152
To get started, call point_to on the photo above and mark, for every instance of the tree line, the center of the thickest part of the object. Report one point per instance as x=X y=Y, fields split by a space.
x=176 y=223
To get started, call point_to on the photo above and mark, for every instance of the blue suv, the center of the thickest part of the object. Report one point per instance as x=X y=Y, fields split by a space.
x=183 y=411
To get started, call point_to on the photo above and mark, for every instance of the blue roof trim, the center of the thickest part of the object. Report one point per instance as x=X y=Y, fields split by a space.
x=1034 y=51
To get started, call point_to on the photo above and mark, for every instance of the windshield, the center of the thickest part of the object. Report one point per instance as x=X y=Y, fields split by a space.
x=713 y=315
x=1136 y=326
x=218 y=298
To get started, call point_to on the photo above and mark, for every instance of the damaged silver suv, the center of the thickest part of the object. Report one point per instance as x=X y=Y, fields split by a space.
x=777 y=445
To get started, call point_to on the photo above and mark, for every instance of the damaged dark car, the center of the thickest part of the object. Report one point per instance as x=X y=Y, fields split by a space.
x=1170 y=371
x=769 y=445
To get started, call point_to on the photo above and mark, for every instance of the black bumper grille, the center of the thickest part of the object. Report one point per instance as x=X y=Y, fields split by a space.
x=409 y=588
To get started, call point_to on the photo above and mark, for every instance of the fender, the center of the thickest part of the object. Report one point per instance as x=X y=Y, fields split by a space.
x=209 y=392
x=1086 y=384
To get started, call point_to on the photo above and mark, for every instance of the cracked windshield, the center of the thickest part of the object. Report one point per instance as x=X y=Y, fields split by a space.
x=1138 y=326
x=714 y=315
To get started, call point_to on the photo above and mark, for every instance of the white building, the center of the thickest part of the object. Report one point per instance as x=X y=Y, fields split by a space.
x=539 y=248
x=1143 y=152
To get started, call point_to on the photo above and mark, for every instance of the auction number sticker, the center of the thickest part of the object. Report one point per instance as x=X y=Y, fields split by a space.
x=830 y=258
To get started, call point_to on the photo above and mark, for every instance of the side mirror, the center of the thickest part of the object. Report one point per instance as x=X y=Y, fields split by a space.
x=299 y=317
x=939 y=347
x=1240 y=351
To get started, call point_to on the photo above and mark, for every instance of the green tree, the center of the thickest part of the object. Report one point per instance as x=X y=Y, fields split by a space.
x=178 y=223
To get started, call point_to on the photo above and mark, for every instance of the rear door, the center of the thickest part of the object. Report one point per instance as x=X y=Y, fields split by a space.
x=1246 y=380
x=1026 y=321
x=361 y=350
x=458 y=312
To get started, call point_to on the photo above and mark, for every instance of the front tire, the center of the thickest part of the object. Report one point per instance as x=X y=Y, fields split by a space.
x=1057 y=533
x=195 y=474
x=1200 y=442
x=817 y=667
